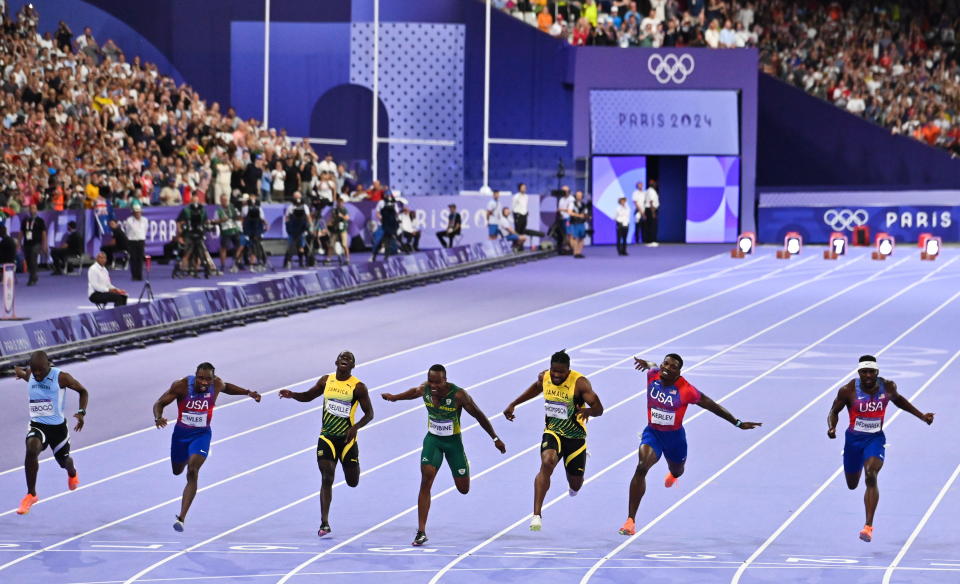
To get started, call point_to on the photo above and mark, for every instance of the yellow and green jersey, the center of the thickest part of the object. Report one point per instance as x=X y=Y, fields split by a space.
x=443 y=419
x=339 y=405
x=561 y=407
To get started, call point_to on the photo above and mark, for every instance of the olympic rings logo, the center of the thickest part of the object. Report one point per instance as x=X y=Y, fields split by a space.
x=670 y=67
x=845 y=219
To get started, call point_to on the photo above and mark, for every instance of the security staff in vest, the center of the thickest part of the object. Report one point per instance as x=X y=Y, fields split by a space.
x=48 y=426
x=192 y=224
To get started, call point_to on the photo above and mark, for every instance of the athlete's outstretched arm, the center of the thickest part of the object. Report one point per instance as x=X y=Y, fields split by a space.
x=904 y=404
x=643 y=364
x=412 y=393
x=67 y=380
x=594 y=408
x=305 y=396
x=712 y=406
x=535 y=389
x=840 y=402
x=231 y=389
x=471 y=406
x=177 y=389
x=363 y=398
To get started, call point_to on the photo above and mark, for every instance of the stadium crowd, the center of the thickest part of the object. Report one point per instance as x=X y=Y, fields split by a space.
x=893 y=63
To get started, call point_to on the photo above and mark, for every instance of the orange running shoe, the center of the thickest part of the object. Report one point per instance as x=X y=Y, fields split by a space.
x=25 y=504
x=73 y=482
x=628 y=528
x=866 y=534
x=670 y=480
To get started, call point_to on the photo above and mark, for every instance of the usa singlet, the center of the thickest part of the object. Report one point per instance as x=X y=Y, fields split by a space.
x=666 y=404
x=867 y=411
x=196 y=409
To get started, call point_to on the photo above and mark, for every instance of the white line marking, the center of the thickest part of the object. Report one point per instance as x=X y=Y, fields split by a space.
x=826 y=483
x=668 y=273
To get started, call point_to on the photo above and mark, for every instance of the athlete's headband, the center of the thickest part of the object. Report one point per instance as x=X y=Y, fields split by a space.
x=868 y=365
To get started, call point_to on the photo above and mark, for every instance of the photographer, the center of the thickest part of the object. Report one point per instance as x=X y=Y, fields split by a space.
x=339 y=230
x=297 y=220
x=228 y=218
x=192 y=225
x=389 y=218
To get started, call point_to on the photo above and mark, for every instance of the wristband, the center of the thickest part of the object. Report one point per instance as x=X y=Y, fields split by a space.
x=737 y=423
x=495 y=438
x=82 y=412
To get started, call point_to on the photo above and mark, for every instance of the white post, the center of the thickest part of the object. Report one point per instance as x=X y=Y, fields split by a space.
x=376 y=86
x=266 y=63
x=486 y=99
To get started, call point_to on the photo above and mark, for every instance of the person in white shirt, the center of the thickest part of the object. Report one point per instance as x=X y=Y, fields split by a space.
x=493 y=216
x=409 y=234
x=509 y=231
x=328 y=165
x=520 y=206
x=651 y=210
x=99 y=288
x=564 y=205
x=623 y=225
x=135 y=226
x=638 y=213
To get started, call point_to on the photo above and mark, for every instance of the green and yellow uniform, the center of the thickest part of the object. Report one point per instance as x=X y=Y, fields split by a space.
x=564 y=432
x=443 y=432
x=339 y=409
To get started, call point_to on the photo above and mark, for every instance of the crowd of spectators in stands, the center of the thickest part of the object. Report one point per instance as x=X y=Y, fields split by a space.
x=893 y=63
x=83 y=127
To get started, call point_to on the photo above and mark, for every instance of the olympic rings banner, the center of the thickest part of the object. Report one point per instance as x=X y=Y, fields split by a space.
x=815 y=224
x=665 y=121
x=21 y=339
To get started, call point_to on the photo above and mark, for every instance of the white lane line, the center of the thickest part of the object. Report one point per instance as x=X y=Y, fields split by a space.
x=615 y=406
x=632 y=453
x=601 y=337
x=474 y=355
x=746 y=564
x=895 y=564
x=485 y=327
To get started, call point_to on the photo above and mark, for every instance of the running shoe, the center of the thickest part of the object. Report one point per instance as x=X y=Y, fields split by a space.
x=669 y=480
x=420 y=539
x=866 y=534
x=536 y=523
x=73 y=482
x=178 y=525
x=629 y=528
x=324 y=530
x=25 y=504
x=572 y=493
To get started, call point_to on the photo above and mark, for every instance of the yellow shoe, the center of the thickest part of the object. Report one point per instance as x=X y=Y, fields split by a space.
x=629 y=528
x=25 y=504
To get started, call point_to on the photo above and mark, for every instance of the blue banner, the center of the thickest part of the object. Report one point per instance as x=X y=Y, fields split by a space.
x=815 y=224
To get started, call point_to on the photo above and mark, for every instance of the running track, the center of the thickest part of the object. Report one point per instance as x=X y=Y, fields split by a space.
x=772 y=340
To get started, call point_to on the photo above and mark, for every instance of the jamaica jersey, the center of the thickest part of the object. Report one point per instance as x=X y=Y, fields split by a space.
x=561 y=408
x=442 y=419
x=339 y=405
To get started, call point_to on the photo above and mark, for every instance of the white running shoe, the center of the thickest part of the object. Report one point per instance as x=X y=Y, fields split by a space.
x=536 y=523
x=178 y=525
x=572 y=492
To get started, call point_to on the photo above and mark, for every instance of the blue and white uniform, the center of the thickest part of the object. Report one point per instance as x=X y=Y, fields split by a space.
x=47 y=422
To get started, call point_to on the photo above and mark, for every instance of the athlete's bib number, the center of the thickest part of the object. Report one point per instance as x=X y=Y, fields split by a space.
x=556 y=410
x=869 y=425
x=194 y=419
x=40 y=408
x=340 y=409
x=662 y=417
x=441 y=428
